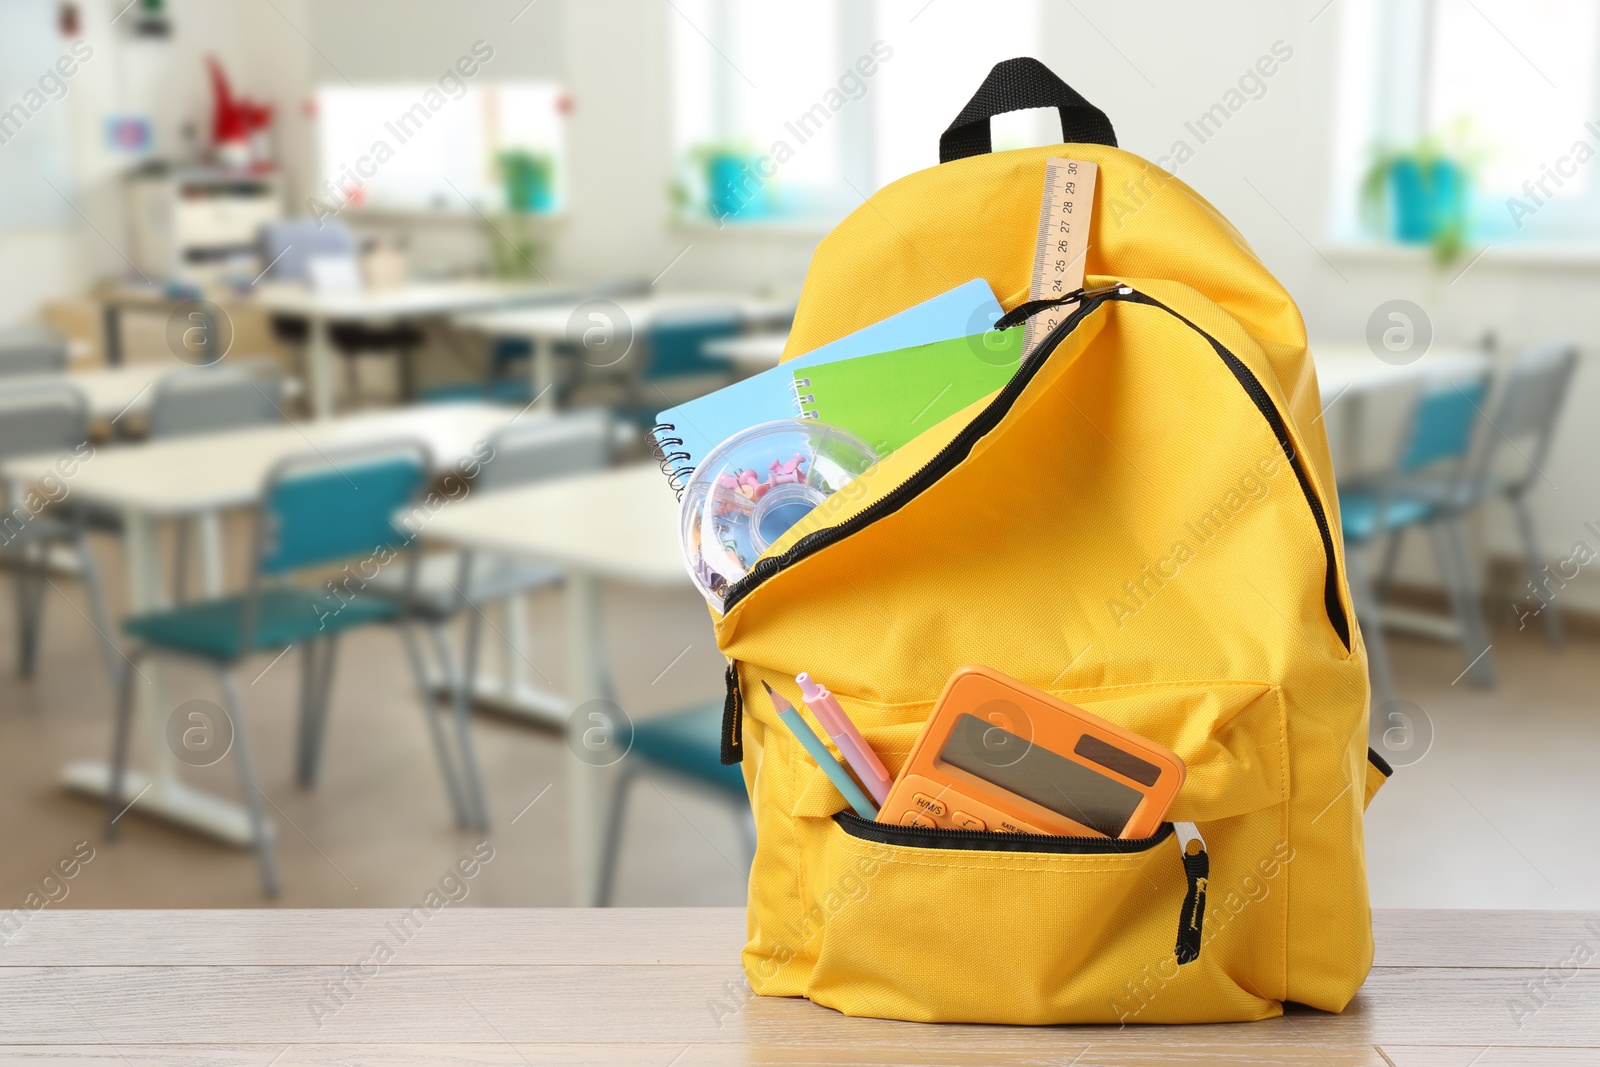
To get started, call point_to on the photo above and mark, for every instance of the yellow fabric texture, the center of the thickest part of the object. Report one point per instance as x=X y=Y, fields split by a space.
x=1375 y=780
x=1132 y=537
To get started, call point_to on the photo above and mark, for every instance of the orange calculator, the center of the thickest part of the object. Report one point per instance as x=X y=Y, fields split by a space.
x=1000 y=755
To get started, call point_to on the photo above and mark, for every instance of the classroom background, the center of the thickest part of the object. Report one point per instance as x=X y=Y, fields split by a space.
x=236 y=232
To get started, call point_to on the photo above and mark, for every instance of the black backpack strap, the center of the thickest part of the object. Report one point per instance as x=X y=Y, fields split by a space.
x=1015 y=85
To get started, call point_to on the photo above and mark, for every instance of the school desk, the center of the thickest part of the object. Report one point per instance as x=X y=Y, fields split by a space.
x=548 y=324
x=619 y=525
x=200 y=475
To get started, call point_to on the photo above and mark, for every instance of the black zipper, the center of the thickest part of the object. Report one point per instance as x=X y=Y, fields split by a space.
x=962 y=444
x=947 y=458
x=1280 y=430
x=885 y=833
x=1195 y=860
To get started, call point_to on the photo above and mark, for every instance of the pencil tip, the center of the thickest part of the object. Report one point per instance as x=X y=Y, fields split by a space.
x=779 y=704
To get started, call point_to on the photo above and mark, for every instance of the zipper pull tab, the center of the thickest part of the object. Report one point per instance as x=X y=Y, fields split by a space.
x=1025 y=311
x=1114 y=287
x=732 y=717
x=1197 y=867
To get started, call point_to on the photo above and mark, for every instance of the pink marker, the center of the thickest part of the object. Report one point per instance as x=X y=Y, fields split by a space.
x=857 y=753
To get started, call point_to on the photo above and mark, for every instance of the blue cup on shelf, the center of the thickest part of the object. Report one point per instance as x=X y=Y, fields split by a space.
x=735 y=188
x=1429 y=198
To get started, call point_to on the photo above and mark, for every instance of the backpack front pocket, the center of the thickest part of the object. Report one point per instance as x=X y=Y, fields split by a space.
x=969 y=934
x=968 y=926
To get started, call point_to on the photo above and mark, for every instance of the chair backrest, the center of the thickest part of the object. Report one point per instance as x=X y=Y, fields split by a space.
x=221 y=397
x=48 y=416
x=1443 y=423
x=547 y=447
x=1535 y=387
x=32 y=350
x=677 y=343
x=330 y=506
x=289 y=244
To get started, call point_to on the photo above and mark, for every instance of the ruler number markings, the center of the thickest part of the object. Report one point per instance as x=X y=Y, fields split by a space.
x=1060 y=252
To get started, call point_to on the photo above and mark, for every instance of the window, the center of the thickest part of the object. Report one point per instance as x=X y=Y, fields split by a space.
x=790 y=112
x=420 y=146
x=1506 y=87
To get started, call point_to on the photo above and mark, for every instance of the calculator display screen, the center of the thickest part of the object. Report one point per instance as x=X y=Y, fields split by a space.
x=1031 y=771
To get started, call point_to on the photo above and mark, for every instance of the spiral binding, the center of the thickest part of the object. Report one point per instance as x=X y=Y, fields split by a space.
x=670 y=461
x=802 y=399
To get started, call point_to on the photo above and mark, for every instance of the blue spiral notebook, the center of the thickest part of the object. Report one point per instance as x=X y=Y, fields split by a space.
x=686 y=433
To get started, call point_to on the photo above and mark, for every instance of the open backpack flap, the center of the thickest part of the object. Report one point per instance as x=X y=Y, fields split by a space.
x=1141 y=522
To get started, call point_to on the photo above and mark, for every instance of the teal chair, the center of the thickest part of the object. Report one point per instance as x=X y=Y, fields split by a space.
x=47 y=418
x=678 y=343
x=446 y=583
x=235 y=395
x=675 y=367
x=1436 y=442
x=1510 y=464
x=315 y=510
x=684 y=747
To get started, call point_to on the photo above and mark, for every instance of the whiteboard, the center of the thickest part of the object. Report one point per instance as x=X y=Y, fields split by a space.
x=35 y=153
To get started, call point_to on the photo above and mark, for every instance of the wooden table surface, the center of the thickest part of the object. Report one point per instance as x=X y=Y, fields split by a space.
x=663 y=986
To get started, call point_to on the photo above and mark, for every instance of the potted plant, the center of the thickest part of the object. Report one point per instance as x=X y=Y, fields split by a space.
x=1419 y=194
x=529 y=180
x=725 y=183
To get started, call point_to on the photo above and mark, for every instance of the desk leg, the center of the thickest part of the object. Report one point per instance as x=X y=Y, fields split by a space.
x=209 y=528
x=590 y=786
x=1352 y=425
x=166 y=796
x=320 y=357
x=508 y=691
x=111 y=331
x=543 y=367
x=513 y=679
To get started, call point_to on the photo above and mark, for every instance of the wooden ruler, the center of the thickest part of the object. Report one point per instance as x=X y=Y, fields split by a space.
x=1058 y=257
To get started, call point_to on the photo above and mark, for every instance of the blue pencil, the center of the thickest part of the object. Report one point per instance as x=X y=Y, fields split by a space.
x=824 y=759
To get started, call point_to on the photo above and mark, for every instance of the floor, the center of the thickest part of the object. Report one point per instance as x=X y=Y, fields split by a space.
x=1488 y=814
x=1495 y=813
x=376 y=831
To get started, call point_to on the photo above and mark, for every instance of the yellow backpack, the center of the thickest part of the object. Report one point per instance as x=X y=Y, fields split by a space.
x=1143 y=523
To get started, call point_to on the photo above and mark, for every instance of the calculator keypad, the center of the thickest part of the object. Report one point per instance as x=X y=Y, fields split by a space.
x=924 y=802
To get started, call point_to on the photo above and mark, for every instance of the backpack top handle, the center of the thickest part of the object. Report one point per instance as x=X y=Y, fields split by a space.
x=1015 y=85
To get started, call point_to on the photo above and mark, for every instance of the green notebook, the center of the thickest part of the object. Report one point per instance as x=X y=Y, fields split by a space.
x=888 y=398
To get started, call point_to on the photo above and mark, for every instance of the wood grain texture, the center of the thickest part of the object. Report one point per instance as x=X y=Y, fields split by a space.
x=537 y=936
x=662 y=986
x=494 y=937
x=1424 y=937
x=1492 y=1056
x=683 y=1004
x=1059 y=1051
